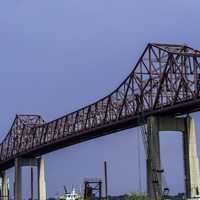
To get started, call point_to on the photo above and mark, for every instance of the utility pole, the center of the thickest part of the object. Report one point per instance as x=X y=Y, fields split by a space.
x=32 y=187
x=106 y=180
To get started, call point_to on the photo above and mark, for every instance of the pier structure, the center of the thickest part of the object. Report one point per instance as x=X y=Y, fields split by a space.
x=186 y=126
x=30 y=162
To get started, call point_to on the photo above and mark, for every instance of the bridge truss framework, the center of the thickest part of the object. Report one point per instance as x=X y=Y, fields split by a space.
x=164 y=81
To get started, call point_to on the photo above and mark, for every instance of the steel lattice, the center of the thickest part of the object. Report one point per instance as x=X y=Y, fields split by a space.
x=165 y=80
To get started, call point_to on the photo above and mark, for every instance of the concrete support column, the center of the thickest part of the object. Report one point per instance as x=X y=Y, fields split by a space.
x=154 y=187
x=18 y=180
x=5 y=187
x=191 y=162
x=41 y=180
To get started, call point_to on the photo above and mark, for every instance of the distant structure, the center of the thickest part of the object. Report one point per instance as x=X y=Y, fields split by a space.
x=93 y=189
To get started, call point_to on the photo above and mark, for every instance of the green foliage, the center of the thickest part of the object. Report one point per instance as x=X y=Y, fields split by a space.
x=134 y=196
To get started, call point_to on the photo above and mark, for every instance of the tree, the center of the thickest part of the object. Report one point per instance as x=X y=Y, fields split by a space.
x=135 y=196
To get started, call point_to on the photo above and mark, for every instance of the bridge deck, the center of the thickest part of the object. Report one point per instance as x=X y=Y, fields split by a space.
x=164 y=81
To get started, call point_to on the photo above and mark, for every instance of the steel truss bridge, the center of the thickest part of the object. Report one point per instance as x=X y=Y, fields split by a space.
x=164 y=81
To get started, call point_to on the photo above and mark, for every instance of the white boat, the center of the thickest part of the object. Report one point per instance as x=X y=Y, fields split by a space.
x=70 y=196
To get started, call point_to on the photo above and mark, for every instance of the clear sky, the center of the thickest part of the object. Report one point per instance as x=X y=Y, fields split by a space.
x=59 y=55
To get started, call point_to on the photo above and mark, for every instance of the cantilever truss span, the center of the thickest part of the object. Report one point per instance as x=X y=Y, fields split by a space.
x=165 y=80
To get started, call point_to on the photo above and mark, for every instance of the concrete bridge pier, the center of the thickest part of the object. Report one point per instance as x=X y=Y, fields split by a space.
x=4 y=186
x=36 y=162
x=191 y=161
x=153 y=159
x=41 y=180
x=186 y=126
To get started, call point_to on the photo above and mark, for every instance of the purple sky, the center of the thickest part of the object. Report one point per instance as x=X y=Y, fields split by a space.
x=59 y=55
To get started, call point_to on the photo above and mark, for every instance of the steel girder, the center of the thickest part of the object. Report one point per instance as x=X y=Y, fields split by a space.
x=165 y=80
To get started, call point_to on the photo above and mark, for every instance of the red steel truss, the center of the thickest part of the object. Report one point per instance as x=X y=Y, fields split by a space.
x=164 y=81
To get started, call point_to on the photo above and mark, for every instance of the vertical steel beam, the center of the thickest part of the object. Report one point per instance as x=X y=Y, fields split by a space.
x=32 y=184
x=106 y=180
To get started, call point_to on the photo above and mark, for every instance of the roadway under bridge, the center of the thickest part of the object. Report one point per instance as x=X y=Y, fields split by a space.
x=165 y=82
